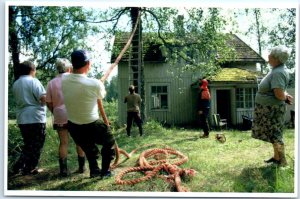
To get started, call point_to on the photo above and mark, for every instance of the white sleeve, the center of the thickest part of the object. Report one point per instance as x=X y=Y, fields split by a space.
x=102 y=91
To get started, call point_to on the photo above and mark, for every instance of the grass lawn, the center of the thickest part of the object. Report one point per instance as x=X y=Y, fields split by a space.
x=234 y=166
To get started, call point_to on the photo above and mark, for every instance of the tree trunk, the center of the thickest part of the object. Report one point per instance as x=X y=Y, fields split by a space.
x=14 y=46
x=259 y=35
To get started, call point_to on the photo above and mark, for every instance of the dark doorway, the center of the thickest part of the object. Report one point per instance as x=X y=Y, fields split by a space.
x=224 y=105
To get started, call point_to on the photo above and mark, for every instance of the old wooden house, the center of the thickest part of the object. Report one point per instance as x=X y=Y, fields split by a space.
x=169 y=97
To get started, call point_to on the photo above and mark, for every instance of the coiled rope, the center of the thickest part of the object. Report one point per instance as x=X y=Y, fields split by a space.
x=162 y=159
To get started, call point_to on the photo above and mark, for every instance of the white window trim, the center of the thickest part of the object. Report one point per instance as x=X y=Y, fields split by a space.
x=168 y=94
x=244 y=98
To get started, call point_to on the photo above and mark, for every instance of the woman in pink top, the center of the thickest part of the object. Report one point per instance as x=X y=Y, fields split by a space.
x=55 y=104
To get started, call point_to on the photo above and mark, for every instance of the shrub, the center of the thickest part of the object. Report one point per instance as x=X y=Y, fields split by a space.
x=111 y=110
x=15 y=143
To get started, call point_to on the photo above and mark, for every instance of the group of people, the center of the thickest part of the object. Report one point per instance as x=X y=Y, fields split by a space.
x=270 y=105
x=74 y=100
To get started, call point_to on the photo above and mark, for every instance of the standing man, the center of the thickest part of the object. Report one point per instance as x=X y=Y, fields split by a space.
x=55 y=103
x=82 y=96
x=133 y=101
x=30 y=97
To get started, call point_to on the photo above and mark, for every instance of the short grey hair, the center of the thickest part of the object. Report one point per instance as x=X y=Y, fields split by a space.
x=62 y=65
x=281 y=53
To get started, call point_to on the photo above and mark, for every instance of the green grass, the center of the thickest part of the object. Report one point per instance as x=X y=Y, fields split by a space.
x=235 y=166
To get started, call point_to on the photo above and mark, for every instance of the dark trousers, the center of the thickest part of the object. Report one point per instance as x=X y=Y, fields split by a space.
x=34 y=138
x=88 y=136
x=204 y=121
x=134 y=116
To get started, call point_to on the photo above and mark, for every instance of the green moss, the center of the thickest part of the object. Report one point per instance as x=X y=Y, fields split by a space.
x=235 y=74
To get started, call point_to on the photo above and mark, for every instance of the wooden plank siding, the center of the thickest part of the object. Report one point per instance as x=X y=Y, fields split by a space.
x=181 y=97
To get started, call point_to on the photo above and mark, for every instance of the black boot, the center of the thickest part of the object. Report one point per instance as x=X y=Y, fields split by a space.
x=63 y=167
x=141 y=131
x=105 y=172
x=94 y=168
x=128 y=133
x=81 y=163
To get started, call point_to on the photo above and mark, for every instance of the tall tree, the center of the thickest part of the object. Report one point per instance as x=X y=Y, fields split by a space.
x=284 y=33
x=258 y=29
x=45 y=33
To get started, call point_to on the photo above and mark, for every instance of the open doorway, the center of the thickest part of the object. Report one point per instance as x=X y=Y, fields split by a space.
x=224 y=104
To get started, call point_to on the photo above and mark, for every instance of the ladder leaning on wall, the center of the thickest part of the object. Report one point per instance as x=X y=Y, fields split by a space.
x=135 y=62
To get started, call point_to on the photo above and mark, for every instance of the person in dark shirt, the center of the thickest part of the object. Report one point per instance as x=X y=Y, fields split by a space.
x=203 y=105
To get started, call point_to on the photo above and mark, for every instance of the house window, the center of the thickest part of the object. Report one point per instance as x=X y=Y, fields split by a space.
x=159 y=97
x=245 y=97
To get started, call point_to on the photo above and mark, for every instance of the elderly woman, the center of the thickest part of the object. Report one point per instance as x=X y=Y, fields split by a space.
x=55 y=104
x=270 y=105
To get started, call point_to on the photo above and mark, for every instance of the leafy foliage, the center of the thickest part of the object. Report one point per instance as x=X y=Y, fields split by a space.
x=15 y=143
x=45 y=33
x=112 y=89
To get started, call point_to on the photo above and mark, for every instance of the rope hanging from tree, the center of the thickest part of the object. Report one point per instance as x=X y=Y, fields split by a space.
x=108 y=72
x=161 y=155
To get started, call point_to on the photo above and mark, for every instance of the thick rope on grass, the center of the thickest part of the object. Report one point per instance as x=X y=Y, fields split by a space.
x=152 y=162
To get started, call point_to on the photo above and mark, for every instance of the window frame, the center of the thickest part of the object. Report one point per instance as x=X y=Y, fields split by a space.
x=245 y=97
x=151 y=98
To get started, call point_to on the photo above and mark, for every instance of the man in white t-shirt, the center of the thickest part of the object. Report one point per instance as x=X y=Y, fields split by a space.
x=81 y=96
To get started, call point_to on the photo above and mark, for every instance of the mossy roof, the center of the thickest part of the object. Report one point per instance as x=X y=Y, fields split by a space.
x=152 y=51
x=235 y=75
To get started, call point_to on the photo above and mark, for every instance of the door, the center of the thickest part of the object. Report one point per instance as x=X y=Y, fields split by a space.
x=224 y=104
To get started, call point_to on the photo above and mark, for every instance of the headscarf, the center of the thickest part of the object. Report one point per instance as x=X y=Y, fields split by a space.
x=205 y=92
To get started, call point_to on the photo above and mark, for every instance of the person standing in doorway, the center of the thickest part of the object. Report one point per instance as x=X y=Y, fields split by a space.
x=30 y=97
x=133 y=101
x=55 y=103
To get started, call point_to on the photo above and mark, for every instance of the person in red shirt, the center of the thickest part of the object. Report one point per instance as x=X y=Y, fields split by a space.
x=203 y=105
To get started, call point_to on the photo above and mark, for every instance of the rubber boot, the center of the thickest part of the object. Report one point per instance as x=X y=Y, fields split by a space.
x=128 y=132
x=94 y=168
x=63 y=167
x=105 y=172
x=81 y=163
x=141 y=130
x=281 y=153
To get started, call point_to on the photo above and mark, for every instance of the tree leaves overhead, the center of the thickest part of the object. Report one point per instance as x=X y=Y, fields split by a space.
x=48 y=32
x=195 y=35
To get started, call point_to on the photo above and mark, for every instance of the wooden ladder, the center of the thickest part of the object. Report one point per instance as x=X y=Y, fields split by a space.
x=135 y=62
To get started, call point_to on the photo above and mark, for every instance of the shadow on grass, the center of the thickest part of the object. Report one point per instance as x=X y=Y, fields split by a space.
x=46 y=178
x=260 y=179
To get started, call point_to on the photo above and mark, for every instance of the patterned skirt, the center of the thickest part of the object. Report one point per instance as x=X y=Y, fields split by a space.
x=268 y=122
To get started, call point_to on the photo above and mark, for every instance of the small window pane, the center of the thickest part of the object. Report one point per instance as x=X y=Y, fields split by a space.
x=164 y=101
x=165 y=89
x=159 y=89
x=153 y=89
